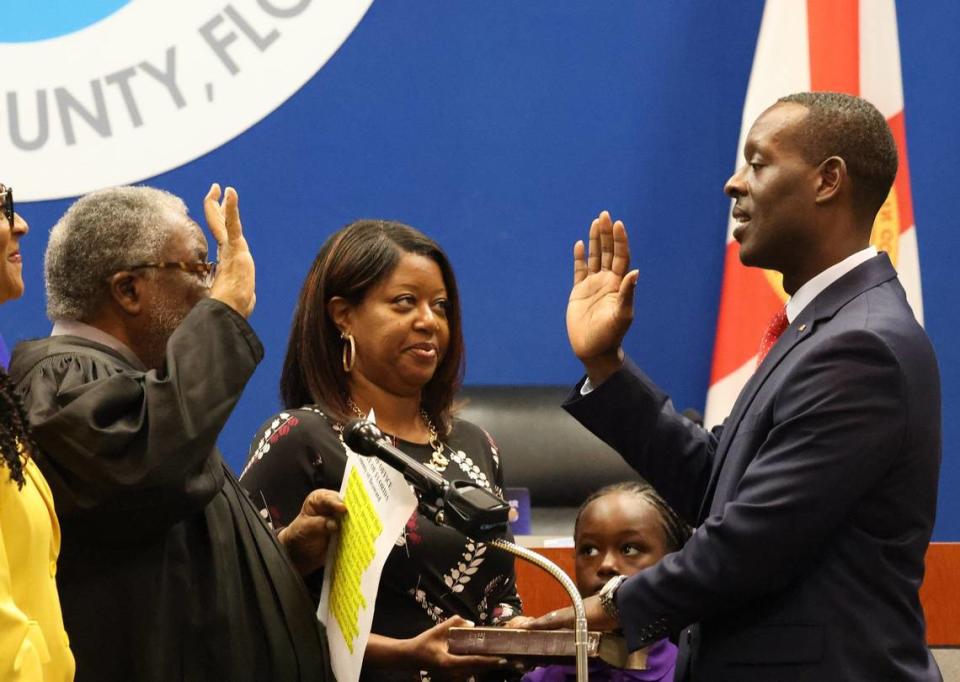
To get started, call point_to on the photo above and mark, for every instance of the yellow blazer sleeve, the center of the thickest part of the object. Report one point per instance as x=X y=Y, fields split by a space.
x=23 y=649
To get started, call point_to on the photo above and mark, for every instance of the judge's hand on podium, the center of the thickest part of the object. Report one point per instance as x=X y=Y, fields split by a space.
x=308 y=535
x=597 y=618
x=600 y=308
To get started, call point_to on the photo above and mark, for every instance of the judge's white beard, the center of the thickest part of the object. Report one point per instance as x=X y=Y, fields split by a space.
x=163 y=317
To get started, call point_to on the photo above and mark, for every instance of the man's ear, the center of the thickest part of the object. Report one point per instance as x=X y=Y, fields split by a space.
x=126 y=290
x=341 y=312
x=832 y=176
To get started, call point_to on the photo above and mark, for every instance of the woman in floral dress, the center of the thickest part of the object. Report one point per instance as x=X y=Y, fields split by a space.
x=377 y=326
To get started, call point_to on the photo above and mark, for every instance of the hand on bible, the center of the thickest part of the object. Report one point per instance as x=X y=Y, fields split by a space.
x=308 y=535
x=235 y=279
x=600 y=308
x=518 y=622
x=429 y=651
x=597 y=618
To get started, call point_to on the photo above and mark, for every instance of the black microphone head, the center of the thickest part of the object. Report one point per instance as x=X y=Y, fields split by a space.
x=361 y=436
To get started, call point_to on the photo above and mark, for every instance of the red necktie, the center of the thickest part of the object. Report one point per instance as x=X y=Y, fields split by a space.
x=777 y=326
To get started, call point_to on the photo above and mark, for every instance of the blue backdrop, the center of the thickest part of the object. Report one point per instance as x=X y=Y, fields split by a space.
x=501 y=128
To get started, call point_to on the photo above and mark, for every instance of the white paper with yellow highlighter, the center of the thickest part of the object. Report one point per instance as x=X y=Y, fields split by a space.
x=379 y=503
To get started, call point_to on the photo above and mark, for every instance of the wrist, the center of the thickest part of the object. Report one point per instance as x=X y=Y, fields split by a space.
x=601 y=367
x=288 y=538
x=608 y=596
x=235 y=303
x=387 y=652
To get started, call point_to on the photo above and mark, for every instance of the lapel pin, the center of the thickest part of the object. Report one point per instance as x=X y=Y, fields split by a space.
x=802 y=328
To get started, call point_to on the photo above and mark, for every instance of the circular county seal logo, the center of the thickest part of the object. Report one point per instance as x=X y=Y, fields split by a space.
x=108 y=92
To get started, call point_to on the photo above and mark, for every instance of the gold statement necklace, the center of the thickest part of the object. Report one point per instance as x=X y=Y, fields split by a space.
x=438 y=461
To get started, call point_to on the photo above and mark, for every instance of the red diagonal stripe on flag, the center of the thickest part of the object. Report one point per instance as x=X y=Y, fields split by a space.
x=833 y=28
x=746 y=299
x=902 y=183
x=832 y=51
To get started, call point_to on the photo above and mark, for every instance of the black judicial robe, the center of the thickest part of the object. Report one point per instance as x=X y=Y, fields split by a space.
x=166 y=572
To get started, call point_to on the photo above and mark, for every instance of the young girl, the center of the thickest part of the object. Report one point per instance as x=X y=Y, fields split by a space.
x=620 y=530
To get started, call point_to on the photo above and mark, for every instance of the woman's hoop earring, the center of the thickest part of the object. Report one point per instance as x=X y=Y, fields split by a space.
x=349 y=351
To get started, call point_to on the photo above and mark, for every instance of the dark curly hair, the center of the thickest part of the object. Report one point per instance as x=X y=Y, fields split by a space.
x=853 y=129
x=15 y=439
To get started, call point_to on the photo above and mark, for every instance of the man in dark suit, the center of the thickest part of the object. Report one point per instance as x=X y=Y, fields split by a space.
x=815 y=499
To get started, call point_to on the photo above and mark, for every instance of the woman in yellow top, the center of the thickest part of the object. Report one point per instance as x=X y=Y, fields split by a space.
x=33 y=643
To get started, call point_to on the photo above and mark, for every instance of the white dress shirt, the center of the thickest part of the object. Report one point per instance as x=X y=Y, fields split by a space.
x=812 y=288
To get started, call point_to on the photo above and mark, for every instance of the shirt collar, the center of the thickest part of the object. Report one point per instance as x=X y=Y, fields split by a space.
x=85 y=331
x=810 y=290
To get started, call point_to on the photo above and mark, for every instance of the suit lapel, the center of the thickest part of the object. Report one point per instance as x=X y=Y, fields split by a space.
x=872 y=273
x=798 y=330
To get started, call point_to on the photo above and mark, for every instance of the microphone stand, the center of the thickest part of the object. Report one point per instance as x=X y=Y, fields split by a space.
x=580 y=643
x=474 y=511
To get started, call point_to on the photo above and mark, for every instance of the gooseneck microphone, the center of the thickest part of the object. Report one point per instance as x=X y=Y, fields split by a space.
x=474 y=511
x=365 y=438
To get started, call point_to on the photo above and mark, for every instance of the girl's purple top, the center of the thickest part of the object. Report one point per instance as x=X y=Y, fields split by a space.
x=661 y=661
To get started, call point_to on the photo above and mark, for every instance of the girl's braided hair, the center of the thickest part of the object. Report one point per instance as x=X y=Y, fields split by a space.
x=675 y=529
x=15 y=439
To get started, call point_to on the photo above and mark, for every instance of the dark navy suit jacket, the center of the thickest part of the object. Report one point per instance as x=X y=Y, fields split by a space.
x=814 y=501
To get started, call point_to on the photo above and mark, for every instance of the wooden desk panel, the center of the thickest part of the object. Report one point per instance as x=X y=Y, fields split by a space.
x=940 y=593
x=538 y=589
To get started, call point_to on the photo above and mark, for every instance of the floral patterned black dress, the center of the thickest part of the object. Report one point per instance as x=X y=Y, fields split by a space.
x=433 y=572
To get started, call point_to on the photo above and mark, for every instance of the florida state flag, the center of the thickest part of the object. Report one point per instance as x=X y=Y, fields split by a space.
x=846 y=46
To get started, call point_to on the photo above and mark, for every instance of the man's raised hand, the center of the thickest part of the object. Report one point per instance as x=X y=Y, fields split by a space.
x=600 y=308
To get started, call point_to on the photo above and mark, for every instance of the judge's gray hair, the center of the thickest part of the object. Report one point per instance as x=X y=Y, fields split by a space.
x=103 y=233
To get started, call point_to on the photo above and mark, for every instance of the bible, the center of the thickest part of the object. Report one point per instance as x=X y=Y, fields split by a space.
x=548 y=646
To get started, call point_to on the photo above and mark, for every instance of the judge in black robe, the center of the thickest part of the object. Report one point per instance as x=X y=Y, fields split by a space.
x=167 y=572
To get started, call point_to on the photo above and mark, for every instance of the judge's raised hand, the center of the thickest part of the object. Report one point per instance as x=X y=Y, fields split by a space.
x=600 y=308
x=307 y=538
x=235 y=279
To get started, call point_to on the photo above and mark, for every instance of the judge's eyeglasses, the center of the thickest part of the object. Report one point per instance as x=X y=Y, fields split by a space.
x=205 y=269
x=6 y=196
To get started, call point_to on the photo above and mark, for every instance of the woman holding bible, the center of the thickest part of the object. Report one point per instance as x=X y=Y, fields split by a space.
x=377 y=327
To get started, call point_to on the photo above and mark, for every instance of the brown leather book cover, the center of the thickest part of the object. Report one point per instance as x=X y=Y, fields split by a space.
x=546 y=645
